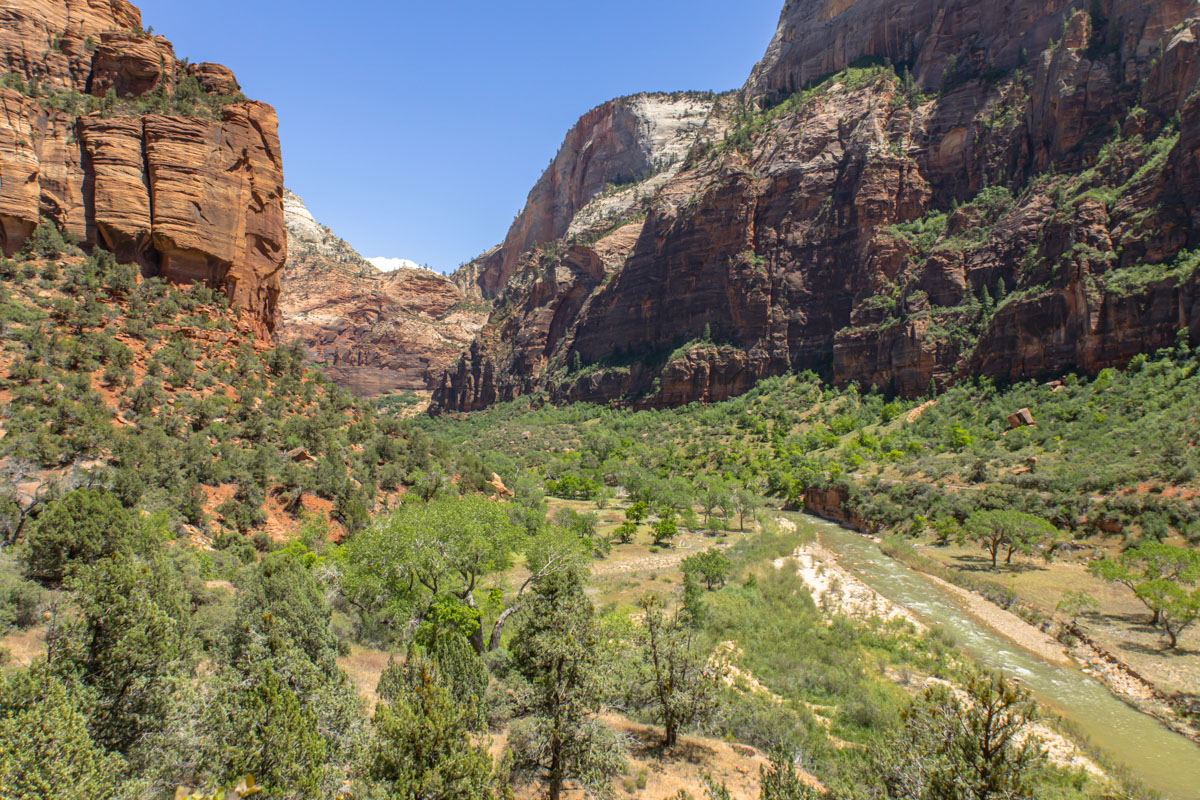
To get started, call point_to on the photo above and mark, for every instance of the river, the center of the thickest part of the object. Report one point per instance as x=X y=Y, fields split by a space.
x=1161 y=759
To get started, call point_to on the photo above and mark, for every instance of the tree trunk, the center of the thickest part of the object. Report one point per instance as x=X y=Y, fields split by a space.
x=498 y=628
x=554 y=790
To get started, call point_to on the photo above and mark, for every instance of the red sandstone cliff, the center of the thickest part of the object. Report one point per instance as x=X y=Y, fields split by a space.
x=107 y=134
x=372 y=331
x=908 y=192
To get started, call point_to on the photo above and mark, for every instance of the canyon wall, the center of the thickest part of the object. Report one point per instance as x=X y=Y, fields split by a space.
x=903 y=193
x=375 y=332
x=105 y=133
x=615 y=145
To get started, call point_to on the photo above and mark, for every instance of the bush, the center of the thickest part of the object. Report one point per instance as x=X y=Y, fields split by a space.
x=20 y=600
x=45 y=242
x=80 y=527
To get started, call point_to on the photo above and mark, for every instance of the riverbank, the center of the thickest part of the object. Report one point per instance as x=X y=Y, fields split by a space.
x=1069 y=641
x=837 y=591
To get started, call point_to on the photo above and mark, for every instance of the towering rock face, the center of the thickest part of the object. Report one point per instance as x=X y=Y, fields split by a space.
x=105 y=133
x=904 y=192
x=618 y=144
x=373 y=331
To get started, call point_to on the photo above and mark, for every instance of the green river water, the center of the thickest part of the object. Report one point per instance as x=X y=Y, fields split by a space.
x=1163 y=760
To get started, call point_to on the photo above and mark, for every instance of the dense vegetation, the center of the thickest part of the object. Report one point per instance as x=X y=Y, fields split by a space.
x=149 y=446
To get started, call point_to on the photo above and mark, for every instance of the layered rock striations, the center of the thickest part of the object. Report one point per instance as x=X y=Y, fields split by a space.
x=903 y=193
x=105 y=133
x=375 y=332
x=618 y=145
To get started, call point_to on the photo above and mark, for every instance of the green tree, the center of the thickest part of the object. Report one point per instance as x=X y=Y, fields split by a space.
x=1146 y=563
x=279 y=707
x=78 y=528
x=781 y=779
x=637 y=512
x=665 y=530
x=556 y=650
x=959 y=438
x=428 y=562
x=1014 y=531
x=423 y=748
x=46 y=749
x=745 y=502
x=425 y=554
x=1075 y=604
x=1175 y=608
x=712 y=566
x=963 y=747
x=131 y=643
x=714 y=496
x=461 y=670
x=262 y=727
x=675 y=682
x=625 y=532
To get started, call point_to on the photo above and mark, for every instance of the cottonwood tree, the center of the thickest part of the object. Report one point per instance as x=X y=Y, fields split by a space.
x=665 y=530
x=675 y=682
x=746 y=503
x=1141 y=566
x=1014 y=531
x=712 y=566
x=556 y=650
x=1175 y=608
x=429 y=562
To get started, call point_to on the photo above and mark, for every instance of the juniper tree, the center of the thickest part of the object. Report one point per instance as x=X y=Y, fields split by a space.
x=556 y=651
x=674 y=680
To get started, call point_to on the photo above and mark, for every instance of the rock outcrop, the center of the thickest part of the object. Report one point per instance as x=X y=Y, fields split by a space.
x=615 y=146
x=903 y=193
x=375 y=332
x=105 y=134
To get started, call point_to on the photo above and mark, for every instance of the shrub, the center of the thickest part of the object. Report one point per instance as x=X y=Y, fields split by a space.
x=79 y=527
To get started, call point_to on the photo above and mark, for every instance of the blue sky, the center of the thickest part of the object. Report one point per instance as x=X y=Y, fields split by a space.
x=416 y=130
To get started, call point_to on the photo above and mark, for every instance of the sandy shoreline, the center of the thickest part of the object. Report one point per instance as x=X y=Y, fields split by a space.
x=1007 y=624
x=838 y=592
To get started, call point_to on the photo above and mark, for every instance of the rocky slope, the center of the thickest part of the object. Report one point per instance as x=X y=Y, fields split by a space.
x=906 y=193
x=626 y=143
x=372 y=331
x=107 y=134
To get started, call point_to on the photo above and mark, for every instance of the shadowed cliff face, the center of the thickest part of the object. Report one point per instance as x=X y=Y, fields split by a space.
x=957 y=189
x=372 y=331
x=172 y=169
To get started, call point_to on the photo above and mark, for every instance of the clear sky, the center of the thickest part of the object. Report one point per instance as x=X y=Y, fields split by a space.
x=416 y=130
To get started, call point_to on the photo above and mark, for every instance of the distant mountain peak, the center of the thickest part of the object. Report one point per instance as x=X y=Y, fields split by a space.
x=385 y=264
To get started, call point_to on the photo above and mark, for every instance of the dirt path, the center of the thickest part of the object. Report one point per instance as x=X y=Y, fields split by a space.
x=684 y=546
